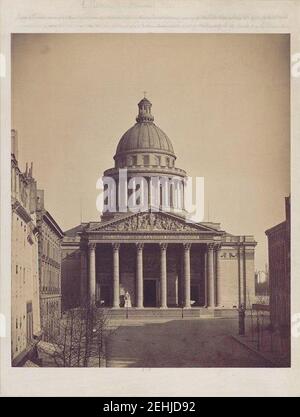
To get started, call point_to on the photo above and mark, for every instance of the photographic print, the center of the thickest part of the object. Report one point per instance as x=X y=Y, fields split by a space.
x=150 y=200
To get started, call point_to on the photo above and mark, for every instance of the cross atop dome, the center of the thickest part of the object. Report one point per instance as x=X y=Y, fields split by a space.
x=145 y=115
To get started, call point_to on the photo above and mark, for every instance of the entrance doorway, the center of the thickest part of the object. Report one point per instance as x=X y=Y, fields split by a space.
x=103 y=296
x=195 y=295
x=150 y=293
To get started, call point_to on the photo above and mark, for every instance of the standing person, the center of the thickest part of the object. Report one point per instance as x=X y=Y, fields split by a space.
x=127 y=300
x=242 y=320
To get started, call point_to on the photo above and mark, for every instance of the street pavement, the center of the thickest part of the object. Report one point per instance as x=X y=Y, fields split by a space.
x=178 y=343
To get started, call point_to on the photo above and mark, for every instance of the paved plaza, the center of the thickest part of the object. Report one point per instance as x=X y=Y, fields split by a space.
x=205 y=342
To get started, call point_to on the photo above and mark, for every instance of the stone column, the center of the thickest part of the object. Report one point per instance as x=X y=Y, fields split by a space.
x=205 y=280
x=241 y=273
x=187 y=275
x=116 y=275
x=139 y=275
x=163 y=275
x=92 y=273
x=218 y=273
x=210 y=275
x=149 y=191
x=83 y=277
x=183 y=195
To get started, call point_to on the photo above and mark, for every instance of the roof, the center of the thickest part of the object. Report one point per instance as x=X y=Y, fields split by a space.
x=145 y=136
x=52 y=223
x=278 y=227
x=75 y=230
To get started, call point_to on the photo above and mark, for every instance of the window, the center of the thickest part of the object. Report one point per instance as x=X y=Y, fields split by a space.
x=146 y=159
x=134 y=160
x=157 y=159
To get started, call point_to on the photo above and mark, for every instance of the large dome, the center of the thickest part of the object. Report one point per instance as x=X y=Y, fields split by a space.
x=144 y=136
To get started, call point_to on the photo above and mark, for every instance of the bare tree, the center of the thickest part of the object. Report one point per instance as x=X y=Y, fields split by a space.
x=78 y=339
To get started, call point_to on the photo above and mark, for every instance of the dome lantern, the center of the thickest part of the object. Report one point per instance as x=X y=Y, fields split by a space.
x=144 y=137
x=145 y=115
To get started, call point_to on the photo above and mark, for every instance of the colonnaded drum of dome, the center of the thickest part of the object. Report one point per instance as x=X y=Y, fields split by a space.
x=146 y=152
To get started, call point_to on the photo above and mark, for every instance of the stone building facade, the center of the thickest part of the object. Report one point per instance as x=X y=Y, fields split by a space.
x=25 y=310
x=279 y=273
x=71 y=268
x=49 y=241
x=154 y=255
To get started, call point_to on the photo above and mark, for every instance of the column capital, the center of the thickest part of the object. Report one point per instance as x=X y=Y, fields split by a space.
x=139 y=245
x=116 y=246
x=187 y=246
x=163 y=246
x=217 y=246
x=210 y=246
x=91 y=246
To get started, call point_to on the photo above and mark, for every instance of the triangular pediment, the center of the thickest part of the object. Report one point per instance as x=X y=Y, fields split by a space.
x=151 y=222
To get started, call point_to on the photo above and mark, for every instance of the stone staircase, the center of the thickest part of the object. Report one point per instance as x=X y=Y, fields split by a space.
x=160 y=313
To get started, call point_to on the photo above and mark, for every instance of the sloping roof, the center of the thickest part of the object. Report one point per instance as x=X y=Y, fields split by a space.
x=75 y=230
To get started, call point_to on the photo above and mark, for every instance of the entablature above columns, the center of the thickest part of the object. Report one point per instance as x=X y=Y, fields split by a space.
x=179 y=239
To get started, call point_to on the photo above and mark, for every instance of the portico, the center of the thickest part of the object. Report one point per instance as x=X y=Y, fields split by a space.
x=158 y=268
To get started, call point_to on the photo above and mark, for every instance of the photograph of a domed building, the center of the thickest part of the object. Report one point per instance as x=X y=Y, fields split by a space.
x=155 y=258
x=110 y=265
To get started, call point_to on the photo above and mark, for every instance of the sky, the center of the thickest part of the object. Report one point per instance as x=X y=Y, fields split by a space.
x=223 y=100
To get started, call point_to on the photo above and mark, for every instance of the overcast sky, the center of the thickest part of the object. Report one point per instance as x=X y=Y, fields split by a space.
x=223 y=100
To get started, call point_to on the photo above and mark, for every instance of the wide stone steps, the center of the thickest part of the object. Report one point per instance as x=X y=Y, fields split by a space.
x=176 y=313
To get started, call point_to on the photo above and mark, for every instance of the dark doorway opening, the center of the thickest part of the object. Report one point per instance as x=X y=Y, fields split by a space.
x=150 y=293
x=104 y=298
x=195 y=295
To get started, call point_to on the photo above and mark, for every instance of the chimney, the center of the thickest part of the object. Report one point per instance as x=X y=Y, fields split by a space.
x=40 y=200
x=14 y=143
x=30 y=170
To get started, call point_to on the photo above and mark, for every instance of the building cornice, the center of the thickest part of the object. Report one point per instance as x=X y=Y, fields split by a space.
x=21 y=211
x=46 y=216
x=147 y=171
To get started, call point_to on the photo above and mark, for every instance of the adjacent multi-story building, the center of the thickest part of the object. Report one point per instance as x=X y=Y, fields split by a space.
x=279 y=273
x=25 y=310
x=49 y=239
x=35 y=263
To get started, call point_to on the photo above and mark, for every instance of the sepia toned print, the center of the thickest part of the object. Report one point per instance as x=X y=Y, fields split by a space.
x=156 y=260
